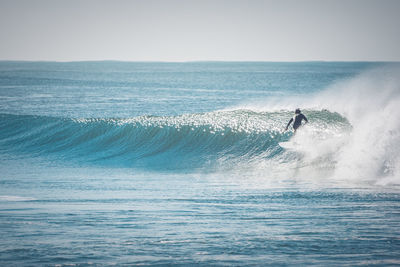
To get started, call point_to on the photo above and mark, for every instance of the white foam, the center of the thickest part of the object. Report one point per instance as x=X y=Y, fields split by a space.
x=371 y=102
x=370 y=152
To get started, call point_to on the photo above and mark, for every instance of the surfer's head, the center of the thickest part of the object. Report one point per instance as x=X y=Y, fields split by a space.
x=297 y=111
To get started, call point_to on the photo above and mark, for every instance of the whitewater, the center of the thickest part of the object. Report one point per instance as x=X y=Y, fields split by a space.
x=120 y=163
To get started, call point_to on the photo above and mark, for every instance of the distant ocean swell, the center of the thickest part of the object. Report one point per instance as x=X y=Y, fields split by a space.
x=178 y=142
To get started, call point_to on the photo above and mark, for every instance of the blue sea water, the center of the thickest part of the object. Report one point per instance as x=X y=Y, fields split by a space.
x=123 y=163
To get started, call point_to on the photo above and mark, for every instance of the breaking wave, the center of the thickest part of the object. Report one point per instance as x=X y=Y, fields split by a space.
x=353 y=134
x=180 y=142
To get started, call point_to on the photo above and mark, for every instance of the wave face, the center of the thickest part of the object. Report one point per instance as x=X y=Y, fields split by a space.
x=205 y=140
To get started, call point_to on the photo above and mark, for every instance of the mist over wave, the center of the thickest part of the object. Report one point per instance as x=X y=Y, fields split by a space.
x=369 y=152
x=370 y=101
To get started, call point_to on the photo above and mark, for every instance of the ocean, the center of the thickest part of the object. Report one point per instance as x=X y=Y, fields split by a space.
x=184 y=164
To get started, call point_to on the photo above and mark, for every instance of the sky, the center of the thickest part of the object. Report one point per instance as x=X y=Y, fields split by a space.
x=202 y=30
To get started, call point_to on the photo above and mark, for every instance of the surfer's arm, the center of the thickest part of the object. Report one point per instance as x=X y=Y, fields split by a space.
x=289 y=123
x=305 y=118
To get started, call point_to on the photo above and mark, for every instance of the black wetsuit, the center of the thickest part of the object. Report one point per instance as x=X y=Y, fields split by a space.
x=297 y=121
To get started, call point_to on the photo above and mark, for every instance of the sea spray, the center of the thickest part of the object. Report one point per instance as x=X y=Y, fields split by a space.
x=371 y=103
x=368 y=149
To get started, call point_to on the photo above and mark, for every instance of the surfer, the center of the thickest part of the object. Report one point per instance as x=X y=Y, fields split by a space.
x=297 y=118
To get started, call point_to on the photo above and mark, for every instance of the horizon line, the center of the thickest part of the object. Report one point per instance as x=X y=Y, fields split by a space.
x=199 y=61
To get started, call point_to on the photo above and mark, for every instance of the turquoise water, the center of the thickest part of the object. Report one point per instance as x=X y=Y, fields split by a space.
x=118 y=163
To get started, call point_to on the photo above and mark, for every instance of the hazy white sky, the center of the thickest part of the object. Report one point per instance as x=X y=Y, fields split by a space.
x=184 y=30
